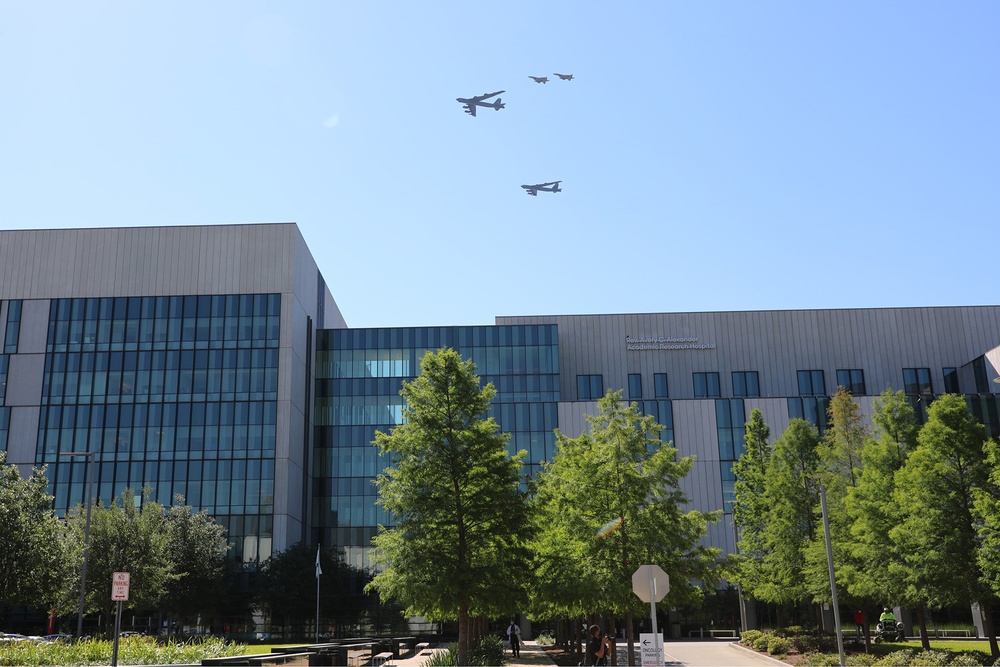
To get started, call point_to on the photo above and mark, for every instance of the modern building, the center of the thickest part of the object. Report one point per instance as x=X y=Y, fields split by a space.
x=213 y=363
x=181 y=356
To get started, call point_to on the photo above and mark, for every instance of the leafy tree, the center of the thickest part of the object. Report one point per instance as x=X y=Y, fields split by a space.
x=612 y=498
x=874 y=569
x=31 y=558
x=935 y=490
x=286 y=587
x=840 y=467
x=458 y=547
x=749 y=506
x=125 y=536
x=197 y=549
x=791 y=494
x=987 y=510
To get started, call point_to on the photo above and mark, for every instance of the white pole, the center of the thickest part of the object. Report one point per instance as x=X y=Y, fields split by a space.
x=833 y=583
x=657 y=645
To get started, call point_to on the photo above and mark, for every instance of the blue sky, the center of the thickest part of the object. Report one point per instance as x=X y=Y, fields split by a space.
x=714 y=156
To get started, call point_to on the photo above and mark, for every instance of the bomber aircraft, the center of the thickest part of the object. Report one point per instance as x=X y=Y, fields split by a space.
x=564 y=77
x=539 y=79
x=533 y=190
x=470 y=103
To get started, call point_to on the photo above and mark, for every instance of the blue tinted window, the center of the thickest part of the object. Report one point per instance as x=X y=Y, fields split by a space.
x=634 y=386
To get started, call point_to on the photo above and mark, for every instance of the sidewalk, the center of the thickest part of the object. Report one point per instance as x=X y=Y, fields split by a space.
x=532 y=655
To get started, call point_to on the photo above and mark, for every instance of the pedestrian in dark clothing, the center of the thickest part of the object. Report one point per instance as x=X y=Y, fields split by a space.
x=598 y=647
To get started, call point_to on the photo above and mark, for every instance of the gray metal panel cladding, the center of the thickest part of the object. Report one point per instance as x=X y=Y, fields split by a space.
x=216 y=259
x=776 y=344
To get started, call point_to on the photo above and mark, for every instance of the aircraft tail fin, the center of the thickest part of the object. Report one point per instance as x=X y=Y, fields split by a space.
x=556 y=188
x=499 y=105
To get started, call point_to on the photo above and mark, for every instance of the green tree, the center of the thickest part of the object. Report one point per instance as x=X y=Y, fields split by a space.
x=840 y=467
x=749 y=505
x=458 y=547
x=31 y=558
x=125 y=536
x=938 y=537
x=874 y=569
x=286 y=588
x=987 y=510
x=791 y=494
x=615 y=501
x=197 y=550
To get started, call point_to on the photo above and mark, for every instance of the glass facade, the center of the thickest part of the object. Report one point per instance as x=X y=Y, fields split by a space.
x=359 y=373
x=13 y=327
x=917 y=381
x=853 y=380
x=706 y=385
x=811 y=383
x=746 y=384
x=730 y=423
x=176 y=393
x=4 y=363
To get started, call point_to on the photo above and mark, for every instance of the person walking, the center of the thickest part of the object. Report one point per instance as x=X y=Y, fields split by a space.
x=514 y=635
x=859 y=623
x=598 y=647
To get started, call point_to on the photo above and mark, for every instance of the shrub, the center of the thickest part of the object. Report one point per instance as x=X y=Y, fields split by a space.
x=806 y=644
x=820 y=660
x=930 y=659
x=750 y=636
x=970 y=659
x=487 y=651
x=895 y=659
x=861 y=659
x=446 y=658
x=760 y=644
x=778 y=645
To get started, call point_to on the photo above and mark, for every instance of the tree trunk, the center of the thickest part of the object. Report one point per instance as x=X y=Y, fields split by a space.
x=987 y=607
x=925 y=642
x=464 y=643
x=612 y=660
x=630 y=634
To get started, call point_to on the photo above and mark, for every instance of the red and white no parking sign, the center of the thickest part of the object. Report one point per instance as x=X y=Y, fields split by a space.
x=119 y=586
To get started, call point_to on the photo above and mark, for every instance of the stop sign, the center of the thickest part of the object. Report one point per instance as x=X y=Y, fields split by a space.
x=641 y=585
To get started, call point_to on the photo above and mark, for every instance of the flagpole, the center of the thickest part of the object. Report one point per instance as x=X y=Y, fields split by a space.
x=319 y=571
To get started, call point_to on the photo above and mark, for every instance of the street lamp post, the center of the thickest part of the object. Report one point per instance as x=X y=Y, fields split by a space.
x=86 y=536
x=833 y=583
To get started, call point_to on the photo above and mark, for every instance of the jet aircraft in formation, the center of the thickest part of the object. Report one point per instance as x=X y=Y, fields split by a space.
x=470 y=103
x=564 y=77
x=533 y=190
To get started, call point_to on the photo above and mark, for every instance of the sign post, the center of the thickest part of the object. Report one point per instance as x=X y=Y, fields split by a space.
x=651 y=584
x=119 y=593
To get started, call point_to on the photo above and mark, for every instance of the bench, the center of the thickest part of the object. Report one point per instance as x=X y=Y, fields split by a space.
x=422 y=646
x=712 y=633
x=382 y=658
x=952 y=633
x=281 y=659
x=258 y=659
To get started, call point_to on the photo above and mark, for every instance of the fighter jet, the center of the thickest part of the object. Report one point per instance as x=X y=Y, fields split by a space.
x=539 y=79
x=564 y=77
x=533 y=190
x=471 y=103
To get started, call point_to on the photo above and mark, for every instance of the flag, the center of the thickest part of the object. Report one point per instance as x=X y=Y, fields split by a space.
x=319 y=570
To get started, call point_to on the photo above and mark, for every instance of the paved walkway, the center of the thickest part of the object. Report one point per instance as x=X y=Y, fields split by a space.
x=691 y=653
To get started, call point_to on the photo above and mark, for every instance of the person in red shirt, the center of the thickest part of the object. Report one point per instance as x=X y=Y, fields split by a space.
x=859 y=623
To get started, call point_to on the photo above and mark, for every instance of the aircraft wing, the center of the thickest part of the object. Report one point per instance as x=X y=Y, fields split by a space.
x=470 y=108
x=531 y=190
x=486 y=96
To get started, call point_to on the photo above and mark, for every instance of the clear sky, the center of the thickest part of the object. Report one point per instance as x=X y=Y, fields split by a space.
x=714 y=155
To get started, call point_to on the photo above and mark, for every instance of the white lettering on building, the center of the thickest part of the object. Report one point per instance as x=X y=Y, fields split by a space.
x=665 y=343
